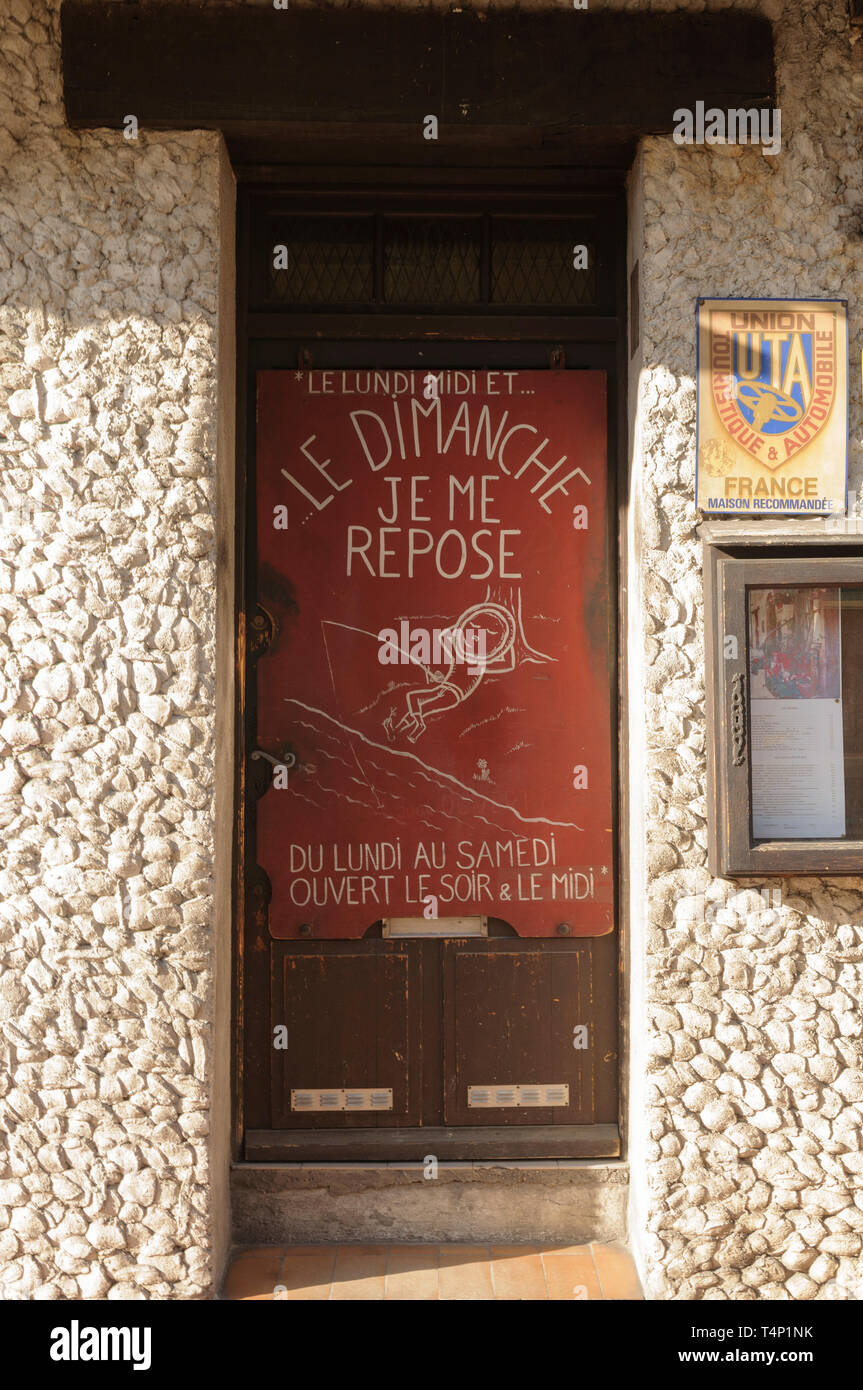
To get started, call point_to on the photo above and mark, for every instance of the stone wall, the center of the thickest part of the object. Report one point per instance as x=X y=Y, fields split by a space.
x=747 y=1154
x=745 y=1055
x=109 y=283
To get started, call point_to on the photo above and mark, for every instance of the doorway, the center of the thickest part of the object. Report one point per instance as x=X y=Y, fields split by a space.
x=426 y=860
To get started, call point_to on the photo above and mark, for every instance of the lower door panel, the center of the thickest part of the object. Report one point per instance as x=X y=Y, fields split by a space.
x=497 y=1048
x=510 y=1010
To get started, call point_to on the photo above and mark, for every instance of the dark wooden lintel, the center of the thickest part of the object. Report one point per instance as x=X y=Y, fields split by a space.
x=364 y=80
x=364 y=144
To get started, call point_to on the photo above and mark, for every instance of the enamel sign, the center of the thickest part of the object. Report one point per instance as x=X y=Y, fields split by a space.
x=772 y=406
x=435 y=699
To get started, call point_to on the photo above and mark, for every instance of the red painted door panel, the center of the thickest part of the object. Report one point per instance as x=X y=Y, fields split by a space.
x=432 y=553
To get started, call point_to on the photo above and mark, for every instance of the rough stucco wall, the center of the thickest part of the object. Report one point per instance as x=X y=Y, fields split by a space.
x=108 y=302
x=752 y=1145
x=751 y=1154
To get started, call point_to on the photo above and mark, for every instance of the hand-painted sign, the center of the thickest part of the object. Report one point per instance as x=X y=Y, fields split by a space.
x=772 y=406
x=432 y=550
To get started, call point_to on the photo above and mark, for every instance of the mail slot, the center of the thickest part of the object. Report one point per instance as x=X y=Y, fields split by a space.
x=425 y=927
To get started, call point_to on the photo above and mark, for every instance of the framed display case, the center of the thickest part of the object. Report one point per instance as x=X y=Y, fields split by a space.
x=784 y=652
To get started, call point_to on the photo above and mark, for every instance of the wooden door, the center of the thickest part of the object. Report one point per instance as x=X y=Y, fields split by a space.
x=431 y=960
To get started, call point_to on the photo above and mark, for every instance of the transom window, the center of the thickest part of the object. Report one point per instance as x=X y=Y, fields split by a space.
x=483 y=262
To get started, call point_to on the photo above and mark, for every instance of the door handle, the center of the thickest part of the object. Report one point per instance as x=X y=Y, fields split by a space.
x=280 y=767
x=287 y=758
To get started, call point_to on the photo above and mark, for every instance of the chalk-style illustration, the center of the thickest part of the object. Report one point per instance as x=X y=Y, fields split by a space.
x=482 y=773
x=499 y=617
x=416 y=783
x=444 y=689
x=486 y=640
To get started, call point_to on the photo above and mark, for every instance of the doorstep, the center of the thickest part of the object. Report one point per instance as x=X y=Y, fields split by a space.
x=559 y=1202
x=426 y=1273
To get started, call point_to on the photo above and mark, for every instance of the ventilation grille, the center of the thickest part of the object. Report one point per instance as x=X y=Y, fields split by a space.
x=516 y=1097
x=338 y=1098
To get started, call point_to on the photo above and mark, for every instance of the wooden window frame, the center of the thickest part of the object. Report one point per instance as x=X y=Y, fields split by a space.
x=731 y=566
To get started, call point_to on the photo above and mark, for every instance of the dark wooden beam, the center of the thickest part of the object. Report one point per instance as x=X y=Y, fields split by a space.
x=359 y=144
x=856 y=11
x=289 y=80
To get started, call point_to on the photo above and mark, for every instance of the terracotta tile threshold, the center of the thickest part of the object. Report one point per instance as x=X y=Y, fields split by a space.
x=449 y=1273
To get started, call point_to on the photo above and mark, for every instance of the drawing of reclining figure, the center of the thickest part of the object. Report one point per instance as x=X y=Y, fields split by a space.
x=486 y=640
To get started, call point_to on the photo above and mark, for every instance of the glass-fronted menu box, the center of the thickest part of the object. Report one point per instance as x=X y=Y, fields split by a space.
x=784 y=649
